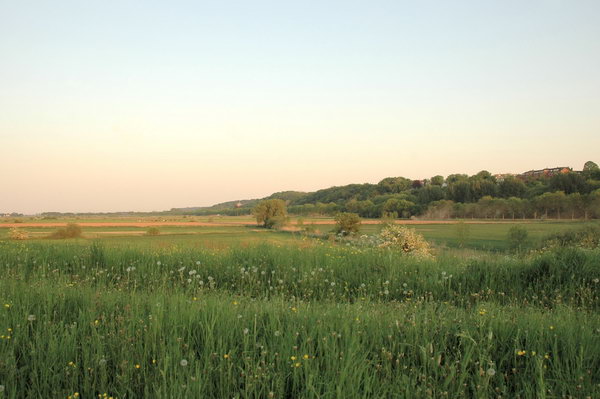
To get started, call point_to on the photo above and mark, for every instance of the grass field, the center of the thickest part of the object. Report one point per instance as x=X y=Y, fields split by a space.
x=239 y=312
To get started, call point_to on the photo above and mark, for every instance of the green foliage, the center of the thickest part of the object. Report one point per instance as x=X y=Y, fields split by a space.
x=71 y=230
x=589 y=166
x=347 y=223
x=271 y=213
x=588 y=237
x=153 y=231
x=517 y=237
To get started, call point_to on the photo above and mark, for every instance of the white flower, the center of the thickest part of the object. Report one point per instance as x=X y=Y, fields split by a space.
x=596 y=280
x=130 y=269
x=192 y=272
x=183 y=362
x=246 y=331
x=181 y=269
x=491 y=372
x=102 y=362
x=198 y=262
x=31 y=317
x=158 y=263
x=277 y=333
x=1 y=388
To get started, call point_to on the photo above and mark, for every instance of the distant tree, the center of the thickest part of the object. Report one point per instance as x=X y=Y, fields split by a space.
x=511 y=187
x=347 y=223
x=590 y=165
x=270 y=213
x=429 y=194
x=459 y=191
x=394 y=185
x=568 y=183
x=575 y=204
x=515 y=206
x=437 y=180
x=400 y=207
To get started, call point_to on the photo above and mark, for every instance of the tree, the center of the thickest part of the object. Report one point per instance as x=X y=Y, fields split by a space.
x=437 y=180
x=511 y=187
x=515 y=205
x=398 y=206
x=347 y=223
x=590 y=165
x=270 y=213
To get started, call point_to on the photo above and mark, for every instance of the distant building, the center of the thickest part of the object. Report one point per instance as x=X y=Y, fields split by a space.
x=547 y=172
x=502 y=176
x=238 y=205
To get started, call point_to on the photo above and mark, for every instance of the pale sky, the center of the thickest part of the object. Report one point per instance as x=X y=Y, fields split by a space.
x=149 y=105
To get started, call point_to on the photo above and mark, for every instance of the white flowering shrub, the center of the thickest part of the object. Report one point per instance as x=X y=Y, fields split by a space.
x=408 y=240
x=16 y=234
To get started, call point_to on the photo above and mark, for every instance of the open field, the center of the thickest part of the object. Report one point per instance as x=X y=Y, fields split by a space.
x=226 y=231
x=235 y=311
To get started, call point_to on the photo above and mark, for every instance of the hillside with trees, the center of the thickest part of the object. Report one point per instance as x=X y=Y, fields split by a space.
x=568 y=194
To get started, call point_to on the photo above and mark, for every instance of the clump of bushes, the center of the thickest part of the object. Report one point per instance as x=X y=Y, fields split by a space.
x=407 y=240
x=588 y=237
x=71 y=230
x=17 y=234
x=153 y=231
x=347 y=223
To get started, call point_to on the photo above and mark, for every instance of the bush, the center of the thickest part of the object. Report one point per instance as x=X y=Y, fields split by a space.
x=408 y=240
x=517 y=236
x=16 y=234
x=153 y=231
x=463 y=232
x=588 y=237
x=347 y=223
x=71 y=230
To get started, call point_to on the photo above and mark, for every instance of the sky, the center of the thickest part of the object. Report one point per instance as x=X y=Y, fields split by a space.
x=149 y=105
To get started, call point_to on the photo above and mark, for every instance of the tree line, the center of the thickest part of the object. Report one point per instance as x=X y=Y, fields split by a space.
x=563 y=195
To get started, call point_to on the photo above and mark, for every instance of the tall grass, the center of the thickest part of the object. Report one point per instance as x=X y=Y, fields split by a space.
x=266 y=321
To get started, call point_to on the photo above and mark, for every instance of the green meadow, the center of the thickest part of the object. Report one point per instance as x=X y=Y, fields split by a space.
x=242 y=312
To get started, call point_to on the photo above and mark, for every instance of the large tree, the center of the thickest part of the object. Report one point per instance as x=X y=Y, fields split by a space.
x=270 y=213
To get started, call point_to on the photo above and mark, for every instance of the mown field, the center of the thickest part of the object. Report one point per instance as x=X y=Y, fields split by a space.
x=238 y=312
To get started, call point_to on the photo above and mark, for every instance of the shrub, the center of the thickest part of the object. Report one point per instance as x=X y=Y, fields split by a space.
x=517 y=236
x=71 y=230
x=588 y=237
x=16 y=234
x=463 y=232
x=408 y=240
x=347 y=223
x=153 y=231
